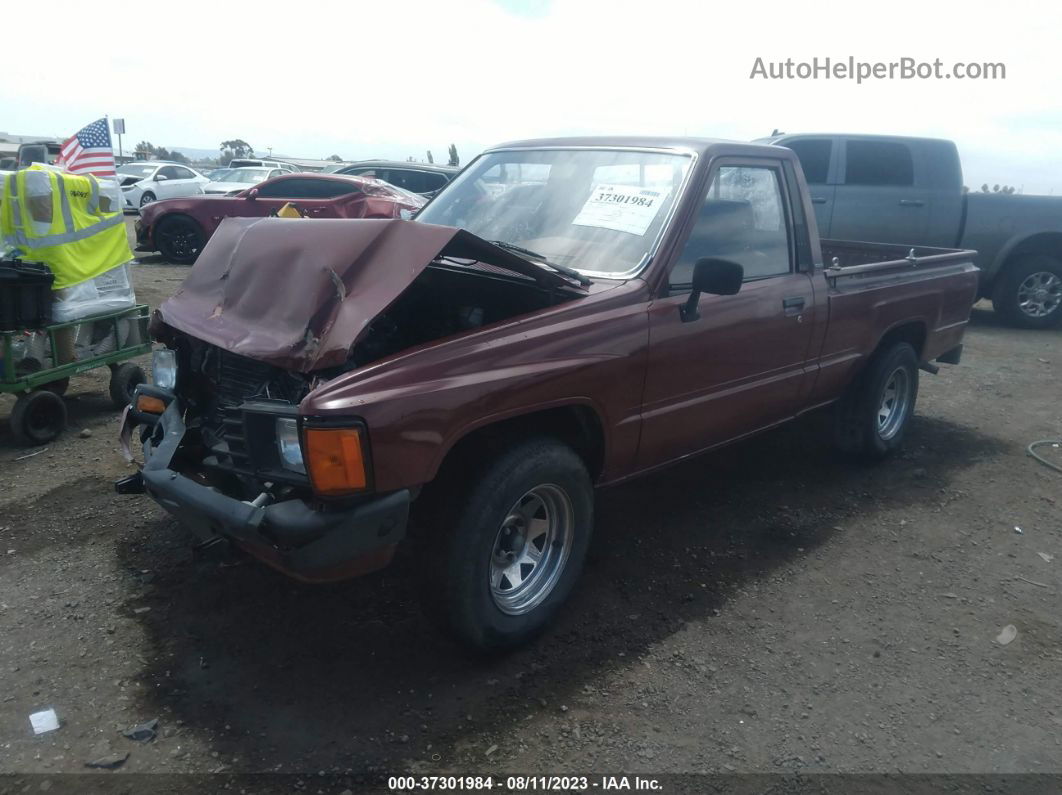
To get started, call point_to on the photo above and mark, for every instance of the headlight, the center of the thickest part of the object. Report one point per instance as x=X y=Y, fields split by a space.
x=164 y=368
x=288 y=445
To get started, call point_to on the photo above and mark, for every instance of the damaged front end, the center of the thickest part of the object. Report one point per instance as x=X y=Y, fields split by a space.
x=214 y=459
x=273 y=309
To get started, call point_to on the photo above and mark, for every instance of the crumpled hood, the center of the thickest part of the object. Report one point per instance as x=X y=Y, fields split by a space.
x=297 y=293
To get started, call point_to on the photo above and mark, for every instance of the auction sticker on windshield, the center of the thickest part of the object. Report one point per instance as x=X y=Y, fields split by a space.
x=624 y=208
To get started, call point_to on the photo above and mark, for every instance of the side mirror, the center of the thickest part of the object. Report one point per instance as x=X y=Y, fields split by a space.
x=161 y=178
x=715 y=277
x=252 y=193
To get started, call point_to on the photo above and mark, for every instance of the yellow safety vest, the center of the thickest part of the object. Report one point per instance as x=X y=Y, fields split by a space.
x=62 y=224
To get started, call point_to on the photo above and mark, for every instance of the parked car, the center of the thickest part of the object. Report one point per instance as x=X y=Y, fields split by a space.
x=897 y=189
x=244 y=162
x=422 y=178
x=218 y=173
x=179 y=229
x=325 y=386
x=145 y=181
x=239 y=179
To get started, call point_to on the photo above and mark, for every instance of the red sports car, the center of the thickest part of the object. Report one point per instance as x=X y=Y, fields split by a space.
x=179 y=228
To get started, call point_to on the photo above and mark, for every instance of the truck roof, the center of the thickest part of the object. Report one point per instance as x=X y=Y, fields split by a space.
x=700 y=146
x=863 y=136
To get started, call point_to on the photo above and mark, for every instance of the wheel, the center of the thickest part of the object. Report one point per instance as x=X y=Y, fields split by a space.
x=38 y=417
x=124 y=379
x=510 y=547
x=58 y=387
x=1028 y=293
x=146 y=198
x=871 y=419
x=179 y=239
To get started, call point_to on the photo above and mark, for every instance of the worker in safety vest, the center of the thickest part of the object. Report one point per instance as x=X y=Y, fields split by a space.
x=71 y=223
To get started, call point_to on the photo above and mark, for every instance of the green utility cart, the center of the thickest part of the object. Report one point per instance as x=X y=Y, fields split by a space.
x=37 y=365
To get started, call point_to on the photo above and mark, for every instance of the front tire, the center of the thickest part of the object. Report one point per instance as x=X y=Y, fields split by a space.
x=146 y=198
x=1028 y=293
x=872 y=418
x=510 y=550
x=179 y=239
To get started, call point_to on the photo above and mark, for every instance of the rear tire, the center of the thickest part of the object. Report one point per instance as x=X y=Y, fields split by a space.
x=179 y=239
x=124 y=379
x=1028 y=292
x=872 y=418
x=38 y=417
x=506 y=553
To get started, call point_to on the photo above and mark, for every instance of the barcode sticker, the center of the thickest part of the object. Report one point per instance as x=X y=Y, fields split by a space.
x=621 y=207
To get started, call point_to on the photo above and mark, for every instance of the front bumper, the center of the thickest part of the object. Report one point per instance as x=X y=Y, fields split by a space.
x=291 y=535
x=143 y=236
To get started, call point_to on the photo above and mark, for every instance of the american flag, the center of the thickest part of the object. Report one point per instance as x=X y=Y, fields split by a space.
x=88 y=151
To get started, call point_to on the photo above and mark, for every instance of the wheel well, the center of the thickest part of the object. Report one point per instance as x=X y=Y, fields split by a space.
x=1049 y=243
x=912 y=333
x=579 y=427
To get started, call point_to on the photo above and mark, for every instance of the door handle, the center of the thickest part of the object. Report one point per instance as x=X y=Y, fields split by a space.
x=793 y=305
x=912 y=203
x=818 y=199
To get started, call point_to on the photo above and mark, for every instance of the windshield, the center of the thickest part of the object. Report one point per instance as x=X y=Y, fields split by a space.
x=246 y=175
x=599 y=211
x=144 y=170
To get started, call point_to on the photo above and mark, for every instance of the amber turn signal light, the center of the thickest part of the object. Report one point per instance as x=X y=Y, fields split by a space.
x=335 y=460
x=149 y=404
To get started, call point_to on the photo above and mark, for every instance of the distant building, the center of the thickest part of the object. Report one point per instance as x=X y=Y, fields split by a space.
x=302 y=163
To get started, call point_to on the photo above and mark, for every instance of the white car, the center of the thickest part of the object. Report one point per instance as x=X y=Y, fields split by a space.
x=240 y=179
x=146 y=181
x=251 y=163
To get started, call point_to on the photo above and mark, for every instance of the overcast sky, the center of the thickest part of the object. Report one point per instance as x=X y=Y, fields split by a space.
x=393 y=79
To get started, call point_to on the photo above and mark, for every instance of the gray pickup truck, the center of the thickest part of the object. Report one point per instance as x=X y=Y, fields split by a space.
x=892 y=189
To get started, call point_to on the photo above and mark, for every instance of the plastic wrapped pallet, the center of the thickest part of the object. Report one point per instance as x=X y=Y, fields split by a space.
x=108 y=292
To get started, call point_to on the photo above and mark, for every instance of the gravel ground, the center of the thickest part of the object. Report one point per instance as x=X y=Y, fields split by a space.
x=764 y=609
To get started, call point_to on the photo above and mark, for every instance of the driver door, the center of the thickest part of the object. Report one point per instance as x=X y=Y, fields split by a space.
x=740 y=366
x=167 y=184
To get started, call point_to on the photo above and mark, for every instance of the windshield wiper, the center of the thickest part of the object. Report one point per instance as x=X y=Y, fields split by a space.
x=583 y=280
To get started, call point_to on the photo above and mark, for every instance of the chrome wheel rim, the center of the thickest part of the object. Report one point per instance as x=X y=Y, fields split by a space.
x=895 y=401
x=1040 y=294
x=531 y=549
x=145 y=200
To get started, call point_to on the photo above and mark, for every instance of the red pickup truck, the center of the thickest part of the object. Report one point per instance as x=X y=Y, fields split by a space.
x=564 y=314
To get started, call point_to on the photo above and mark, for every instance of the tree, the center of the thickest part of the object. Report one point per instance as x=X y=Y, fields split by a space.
x=454 y=159
x=237 y=147
x=335 y=158
x=1004 y=189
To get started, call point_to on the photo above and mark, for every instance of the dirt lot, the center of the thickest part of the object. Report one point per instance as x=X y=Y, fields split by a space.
x=766 y=608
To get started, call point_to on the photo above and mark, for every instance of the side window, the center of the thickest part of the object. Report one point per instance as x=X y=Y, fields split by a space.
x=169 y=172
x=303 y=188
x=814 y=155
x=183 y=173
x=434 y=182
x=878 y=163
x=743 y=220
x=410 y=180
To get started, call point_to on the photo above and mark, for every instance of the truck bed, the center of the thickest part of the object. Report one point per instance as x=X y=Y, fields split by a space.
x=922 y=292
